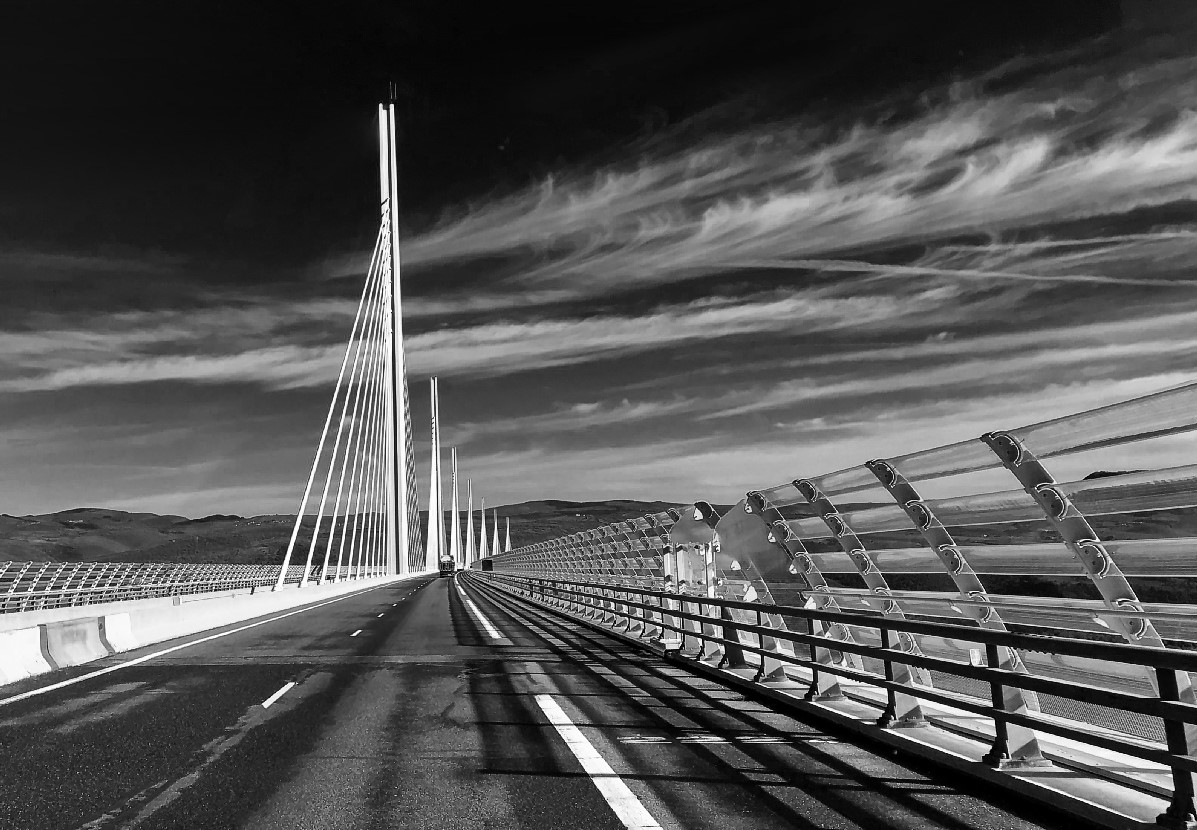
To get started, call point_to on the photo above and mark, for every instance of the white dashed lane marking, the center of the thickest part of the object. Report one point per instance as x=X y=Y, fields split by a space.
x=268 y=702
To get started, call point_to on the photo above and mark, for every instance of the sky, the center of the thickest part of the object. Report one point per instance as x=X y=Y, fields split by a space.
x=669 y=254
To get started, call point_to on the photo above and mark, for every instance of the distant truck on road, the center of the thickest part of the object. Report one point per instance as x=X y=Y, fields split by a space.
x=448 y=566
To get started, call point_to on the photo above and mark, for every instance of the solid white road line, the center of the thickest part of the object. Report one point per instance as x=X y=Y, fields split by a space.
x=354 y=634
x=628 y=808
x=139 y=660
x=266 y=704
x=477 y=612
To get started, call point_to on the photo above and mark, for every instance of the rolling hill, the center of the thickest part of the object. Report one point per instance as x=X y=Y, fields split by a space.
x=92 y=534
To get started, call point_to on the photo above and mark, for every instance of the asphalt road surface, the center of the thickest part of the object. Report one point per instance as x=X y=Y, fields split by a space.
x=406 y=706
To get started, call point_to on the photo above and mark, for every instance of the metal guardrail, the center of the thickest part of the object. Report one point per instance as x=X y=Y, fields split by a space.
x=34 y=586
x=925 y=537
x=706 y=628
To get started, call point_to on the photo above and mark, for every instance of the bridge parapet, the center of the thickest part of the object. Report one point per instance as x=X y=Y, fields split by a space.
x=971 y=538
x=37 y=586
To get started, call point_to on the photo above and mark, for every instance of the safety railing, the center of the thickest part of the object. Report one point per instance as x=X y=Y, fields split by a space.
x=34 y=586
x=1022 y=531
x=715 y=630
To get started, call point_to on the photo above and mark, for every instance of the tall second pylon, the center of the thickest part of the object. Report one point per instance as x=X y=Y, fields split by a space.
x=436 y=511
x=455 y=522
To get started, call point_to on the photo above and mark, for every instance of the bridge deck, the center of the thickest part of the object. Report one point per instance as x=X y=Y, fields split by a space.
x=424 y=719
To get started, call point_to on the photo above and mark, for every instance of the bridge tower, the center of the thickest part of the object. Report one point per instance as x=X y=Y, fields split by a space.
x=436 y=509
x=370 y=448
x=471 y=551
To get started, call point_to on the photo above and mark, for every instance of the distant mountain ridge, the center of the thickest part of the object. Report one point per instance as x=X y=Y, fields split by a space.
x=95 y=534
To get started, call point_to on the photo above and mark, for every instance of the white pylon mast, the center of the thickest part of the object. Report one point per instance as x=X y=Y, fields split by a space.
x=507 y=541
x=395 y=490
x=471 y=552
x=495 y=550
x=435 y=540
x=455 y=522
x=482 y=551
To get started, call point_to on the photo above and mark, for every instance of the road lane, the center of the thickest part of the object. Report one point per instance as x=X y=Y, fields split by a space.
x=72 y=754
x=425 y=719
x=699 y=754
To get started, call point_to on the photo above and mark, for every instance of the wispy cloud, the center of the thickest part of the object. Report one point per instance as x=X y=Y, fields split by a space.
x=1066 y=145
x=574 y=419
x=80 y=357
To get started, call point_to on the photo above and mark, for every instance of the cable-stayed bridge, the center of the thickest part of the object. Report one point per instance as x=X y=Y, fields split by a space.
x=962 y=636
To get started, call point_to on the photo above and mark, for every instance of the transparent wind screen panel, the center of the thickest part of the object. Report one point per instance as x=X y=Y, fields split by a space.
x=844 y=481
x=877 y=519
x=951 y=460
x=782 y=495
x=1173 y=410
x=1048 y=558
x=811 y=527
x=1134 y=492
x=986 y=508
x=1175 y=557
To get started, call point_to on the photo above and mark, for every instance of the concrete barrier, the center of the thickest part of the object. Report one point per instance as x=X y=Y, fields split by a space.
x=21 y=654
x=72 y=642
x=70 y=636
x=116 y=632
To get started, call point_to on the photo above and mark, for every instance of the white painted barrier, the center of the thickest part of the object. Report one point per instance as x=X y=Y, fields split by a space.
x=21 y=654
x=117 y=633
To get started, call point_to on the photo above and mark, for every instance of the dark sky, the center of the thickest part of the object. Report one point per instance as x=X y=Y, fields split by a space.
x=685 y=238
x=244 y=130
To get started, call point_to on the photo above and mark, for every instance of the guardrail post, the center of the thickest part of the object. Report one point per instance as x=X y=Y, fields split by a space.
x=1182 y=812
x=636 y=617
x=652 y=630
x=1000 y=751
x=690 y=648
x=623 y=617
x=713 y=651
x=733 y=652
x=889 y=715
x=770 y=668
x=823 y=685
x=891 y=699
x=1000 y=754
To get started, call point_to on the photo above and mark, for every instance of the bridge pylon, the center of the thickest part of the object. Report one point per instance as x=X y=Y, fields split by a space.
x=436 y=512
x=371 y=448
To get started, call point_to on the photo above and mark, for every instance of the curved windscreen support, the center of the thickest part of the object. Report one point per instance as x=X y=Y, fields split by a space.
x=597 y=549
x=638 y=542
x=660 y=525
x=1022 y=744
x=1095 y=558
x=633 y=560
x=770 y=531
x=690 y=536
x=908 y=710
